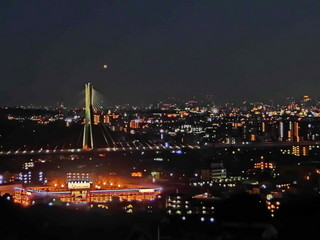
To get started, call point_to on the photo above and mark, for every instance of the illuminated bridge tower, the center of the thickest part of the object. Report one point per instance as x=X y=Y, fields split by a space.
x=88 y=118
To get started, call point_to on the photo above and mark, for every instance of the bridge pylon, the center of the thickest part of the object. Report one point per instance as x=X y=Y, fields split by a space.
x=87 y=142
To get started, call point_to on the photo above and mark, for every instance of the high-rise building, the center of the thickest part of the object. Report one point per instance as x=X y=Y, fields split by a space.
x=281 y=131
x=296 y=136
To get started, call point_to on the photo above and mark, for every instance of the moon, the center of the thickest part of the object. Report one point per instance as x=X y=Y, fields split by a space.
x=105 y=66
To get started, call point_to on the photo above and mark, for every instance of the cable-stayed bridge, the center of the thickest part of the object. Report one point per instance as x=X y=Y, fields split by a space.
x=99 y=138
x=95 y=137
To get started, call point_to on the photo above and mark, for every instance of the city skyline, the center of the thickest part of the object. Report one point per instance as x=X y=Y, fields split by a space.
x=101 y=102
x=234 y=51
x=159 y=119
x=202 y=101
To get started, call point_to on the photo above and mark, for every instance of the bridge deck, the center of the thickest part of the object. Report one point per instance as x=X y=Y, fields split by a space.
x=154 y=147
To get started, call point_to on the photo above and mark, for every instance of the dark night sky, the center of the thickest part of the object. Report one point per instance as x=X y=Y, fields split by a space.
x=234 y=50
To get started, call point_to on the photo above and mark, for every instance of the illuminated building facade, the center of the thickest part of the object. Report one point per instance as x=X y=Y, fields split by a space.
x=32 y=177
x=264 y=165
x=300 y=150
x=77 y=176
x=290 y=132
x=134 y=123
x=281 y=131
x=81 y=193
x=218 y=173
x=296 y=136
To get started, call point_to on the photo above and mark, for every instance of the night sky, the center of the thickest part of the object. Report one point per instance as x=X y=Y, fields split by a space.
x=236 y=50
